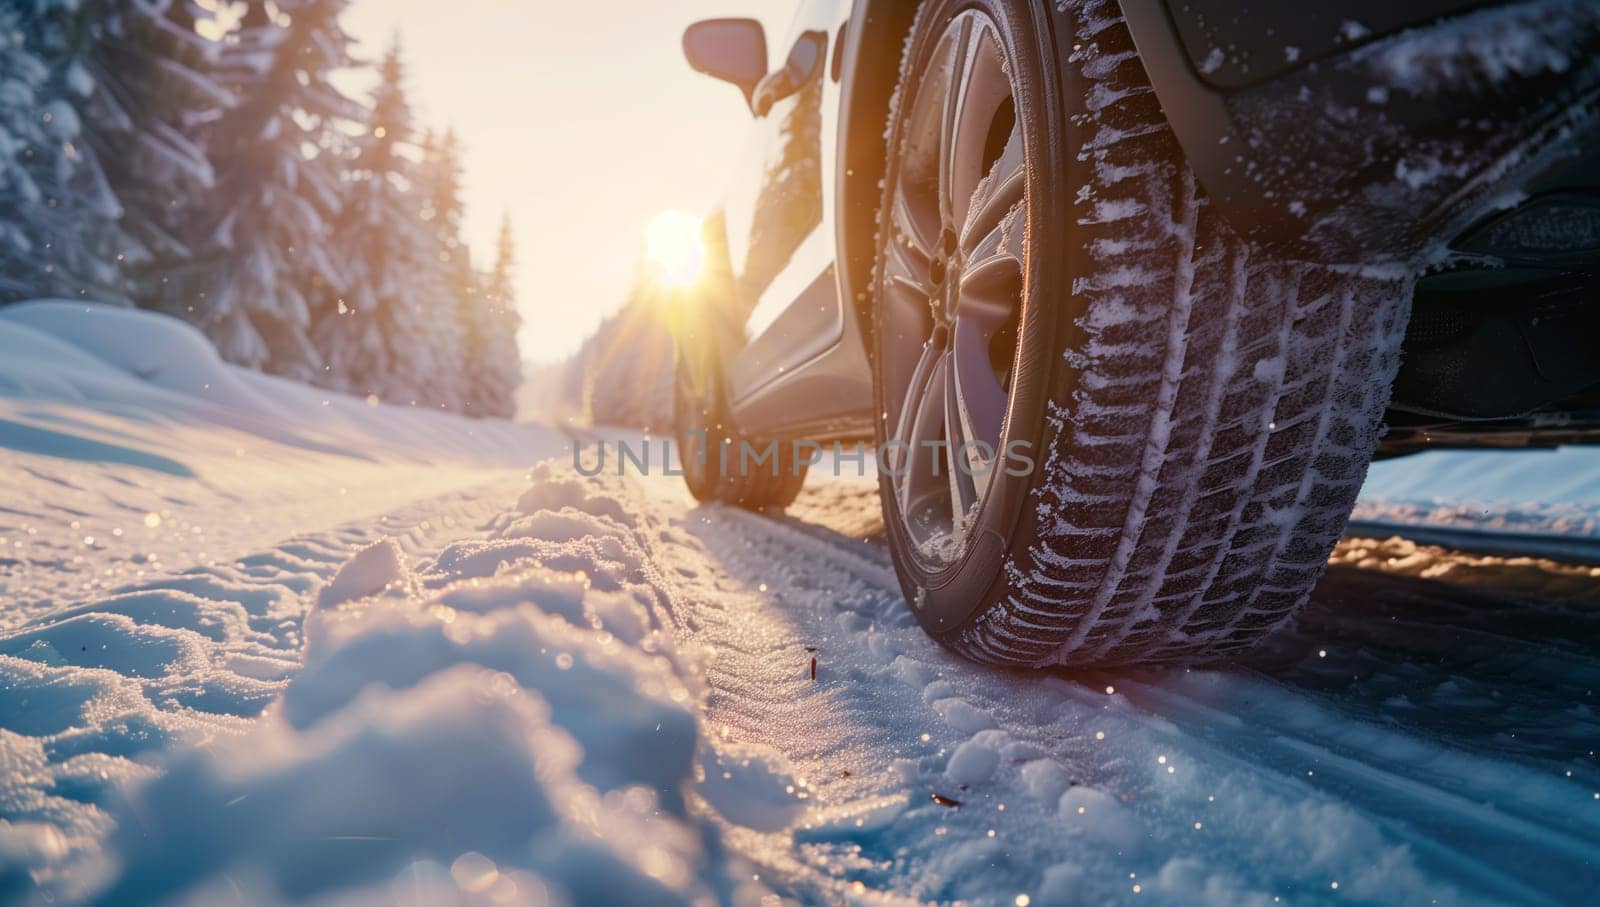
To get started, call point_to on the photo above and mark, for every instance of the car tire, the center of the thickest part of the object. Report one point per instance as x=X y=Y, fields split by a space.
x=709 y=447
x=1199 y=413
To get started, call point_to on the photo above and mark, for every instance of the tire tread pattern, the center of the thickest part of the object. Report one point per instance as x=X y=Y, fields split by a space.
x=1226 y=407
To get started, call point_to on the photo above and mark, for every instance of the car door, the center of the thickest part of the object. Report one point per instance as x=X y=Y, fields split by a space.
x=778 y=213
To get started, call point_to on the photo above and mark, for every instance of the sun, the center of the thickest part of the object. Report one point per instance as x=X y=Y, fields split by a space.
x=675 y=248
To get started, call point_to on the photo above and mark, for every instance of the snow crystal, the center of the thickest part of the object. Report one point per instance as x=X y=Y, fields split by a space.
x=78 y=80
x=1269 y=370
x=62 y=121
x=1351 y=30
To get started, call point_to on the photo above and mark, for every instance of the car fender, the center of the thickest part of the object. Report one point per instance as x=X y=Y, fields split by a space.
x=1337 y=131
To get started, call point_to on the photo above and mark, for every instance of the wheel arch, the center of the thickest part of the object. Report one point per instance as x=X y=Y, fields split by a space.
x=873 y=44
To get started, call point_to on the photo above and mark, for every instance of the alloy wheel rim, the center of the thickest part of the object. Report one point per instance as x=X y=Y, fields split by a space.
x=951 y=288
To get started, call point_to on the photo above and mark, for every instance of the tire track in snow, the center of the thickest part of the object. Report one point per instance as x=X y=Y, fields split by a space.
x=92 y=694
x=1545 y=850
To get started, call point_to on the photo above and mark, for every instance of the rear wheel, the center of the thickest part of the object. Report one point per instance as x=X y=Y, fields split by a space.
x=1113 y=431
x=720 y=465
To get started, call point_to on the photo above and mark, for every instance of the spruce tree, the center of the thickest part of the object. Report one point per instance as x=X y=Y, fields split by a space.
x=439 y=188
x=262 y=236
x=381 y=330
x=495 y=360
x=86 y=121
x=116 y=91
x=159 y=86
x=29 y=154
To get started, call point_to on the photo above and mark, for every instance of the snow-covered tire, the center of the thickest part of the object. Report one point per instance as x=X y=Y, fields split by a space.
x=1203 y=413
x=709 y=447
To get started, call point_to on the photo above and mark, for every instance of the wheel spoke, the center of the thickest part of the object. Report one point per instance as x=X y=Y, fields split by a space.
x=1001 y=191
x=991 y=284
x=922 y=421
x=918 y=187
x=978 y=86
x=978 y=402
x=960 y=453
x=957 y=86
x=912 y=228
x=909 y=255
x=916 y=388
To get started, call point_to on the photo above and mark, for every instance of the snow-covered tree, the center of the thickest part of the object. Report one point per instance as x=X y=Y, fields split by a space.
x=623 y=374
x=439 y=190
x=29 y=152
x=231 y=183
x=263 y=236
x=100 y=100
x=104 y=60
x=494 y=362
x=157 y=87
x=384 y=329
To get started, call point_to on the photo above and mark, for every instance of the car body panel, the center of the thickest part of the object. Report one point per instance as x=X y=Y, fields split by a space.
x=1233 y=44
x=779 y=218
x=800 y=211
x=1393 y=138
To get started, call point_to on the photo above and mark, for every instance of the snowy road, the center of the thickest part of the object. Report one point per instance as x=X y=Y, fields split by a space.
x=1410 y=740
x=456 y=683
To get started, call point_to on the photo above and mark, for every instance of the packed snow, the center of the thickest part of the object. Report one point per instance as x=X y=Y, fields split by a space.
x=480 y=677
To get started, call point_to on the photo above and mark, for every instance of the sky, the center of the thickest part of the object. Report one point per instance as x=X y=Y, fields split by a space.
x=580 y=119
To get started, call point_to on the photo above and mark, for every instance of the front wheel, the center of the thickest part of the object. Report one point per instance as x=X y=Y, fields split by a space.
x=1113 y=431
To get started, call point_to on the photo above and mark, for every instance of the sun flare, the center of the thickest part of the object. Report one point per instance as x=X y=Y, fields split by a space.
x=675 y=248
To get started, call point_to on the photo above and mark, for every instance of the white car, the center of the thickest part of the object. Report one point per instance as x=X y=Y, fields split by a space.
x=1120 y=293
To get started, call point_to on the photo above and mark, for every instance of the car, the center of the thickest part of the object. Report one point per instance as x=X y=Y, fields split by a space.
x=1126 y=297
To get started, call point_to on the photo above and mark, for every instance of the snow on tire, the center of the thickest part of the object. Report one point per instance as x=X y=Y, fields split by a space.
x=1206 y=440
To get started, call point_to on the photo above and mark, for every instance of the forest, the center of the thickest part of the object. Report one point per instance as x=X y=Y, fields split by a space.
x=202 y=160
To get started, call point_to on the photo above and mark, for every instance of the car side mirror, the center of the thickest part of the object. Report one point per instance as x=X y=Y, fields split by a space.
x=732 y=50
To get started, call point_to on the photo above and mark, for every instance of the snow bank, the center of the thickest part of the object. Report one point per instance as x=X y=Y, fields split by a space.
x=158 y=350
x=112 y=359
x=147 y=452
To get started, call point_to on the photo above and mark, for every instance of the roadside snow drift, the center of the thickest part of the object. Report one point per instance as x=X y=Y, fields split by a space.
x=1537 y=493
x=131 y=449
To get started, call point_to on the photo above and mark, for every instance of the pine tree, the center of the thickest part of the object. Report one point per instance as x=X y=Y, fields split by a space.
x=494 y=359
x=28 y=155
x=382 y=330
x=625 y=369
x=439 y=186
x=158 y=87
x=82 y=248
x=263 y=235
